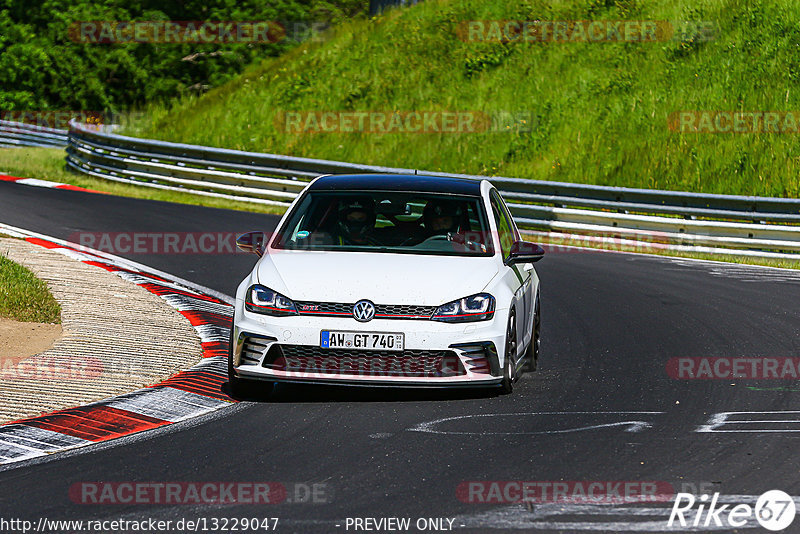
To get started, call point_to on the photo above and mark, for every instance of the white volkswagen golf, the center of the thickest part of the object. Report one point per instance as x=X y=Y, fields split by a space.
x=389 y=280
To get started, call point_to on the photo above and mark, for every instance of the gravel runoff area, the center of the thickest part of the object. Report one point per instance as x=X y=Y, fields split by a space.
x=117 y=337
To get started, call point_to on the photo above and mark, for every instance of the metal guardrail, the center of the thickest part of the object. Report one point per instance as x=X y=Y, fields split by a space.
x=17 y=134
x=737 y=222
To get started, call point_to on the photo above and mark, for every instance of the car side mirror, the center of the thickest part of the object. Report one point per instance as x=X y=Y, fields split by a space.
x=254 y=242
x=524 y=252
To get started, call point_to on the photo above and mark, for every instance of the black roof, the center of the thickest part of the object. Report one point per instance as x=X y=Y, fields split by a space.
x=398 y=182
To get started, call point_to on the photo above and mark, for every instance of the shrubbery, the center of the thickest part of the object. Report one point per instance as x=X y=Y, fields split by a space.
x=41 y=68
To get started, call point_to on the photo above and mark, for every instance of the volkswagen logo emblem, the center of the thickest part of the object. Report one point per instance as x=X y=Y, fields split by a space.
x=364 y=311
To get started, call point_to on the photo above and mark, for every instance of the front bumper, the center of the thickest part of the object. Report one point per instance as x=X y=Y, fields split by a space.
x=436 y=354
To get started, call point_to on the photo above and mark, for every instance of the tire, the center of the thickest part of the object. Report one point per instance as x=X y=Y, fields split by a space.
x=509 y=372
x=532 y=353
x=239 y=388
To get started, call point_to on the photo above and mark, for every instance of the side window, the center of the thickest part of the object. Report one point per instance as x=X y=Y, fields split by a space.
x=504 y=226
x=511 y=224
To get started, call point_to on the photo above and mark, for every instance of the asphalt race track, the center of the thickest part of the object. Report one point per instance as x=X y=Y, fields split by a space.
x=601 y=407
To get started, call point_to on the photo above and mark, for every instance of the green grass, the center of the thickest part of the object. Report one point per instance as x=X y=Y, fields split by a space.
x=48 y=164
x=23 y=297
x=599 y=110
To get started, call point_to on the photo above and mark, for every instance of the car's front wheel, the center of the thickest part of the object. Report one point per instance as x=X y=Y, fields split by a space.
x=241 y=388
x=509 y=367
x=532 y=354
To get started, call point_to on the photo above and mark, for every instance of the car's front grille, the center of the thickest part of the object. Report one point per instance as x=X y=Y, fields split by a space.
x=324 y=308
x=404 y=311
x=382 y=311
x=408 y=363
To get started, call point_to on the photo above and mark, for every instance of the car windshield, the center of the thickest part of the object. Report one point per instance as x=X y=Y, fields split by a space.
x=386 y=221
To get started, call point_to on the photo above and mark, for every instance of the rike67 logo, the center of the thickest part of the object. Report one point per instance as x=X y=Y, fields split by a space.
x=774 y=510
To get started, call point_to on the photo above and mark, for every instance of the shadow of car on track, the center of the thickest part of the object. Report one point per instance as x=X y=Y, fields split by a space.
x=312 y=393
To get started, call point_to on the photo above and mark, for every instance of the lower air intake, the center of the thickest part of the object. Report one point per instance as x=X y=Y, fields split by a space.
x=407 y=363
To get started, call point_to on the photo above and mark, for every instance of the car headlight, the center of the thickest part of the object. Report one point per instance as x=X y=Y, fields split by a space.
x=478 y=307
x=262 y=299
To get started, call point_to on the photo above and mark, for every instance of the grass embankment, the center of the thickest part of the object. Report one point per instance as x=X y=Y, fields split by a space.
x=23 y=297
x=599 y=110
x=48 y=164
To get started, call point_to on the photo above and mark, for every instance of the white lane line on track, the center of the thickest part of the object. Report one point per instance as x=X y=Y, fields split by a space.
x=630 y=425
x=719 y=421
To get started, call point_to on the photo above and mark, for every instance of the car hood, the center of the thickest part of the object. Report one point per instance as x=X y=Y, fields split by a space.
x=382 y=278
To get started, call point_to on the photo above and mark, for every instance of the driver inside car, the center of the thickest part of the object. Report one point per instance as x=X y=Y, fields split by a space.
x=442 y=217
x=356 y=222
